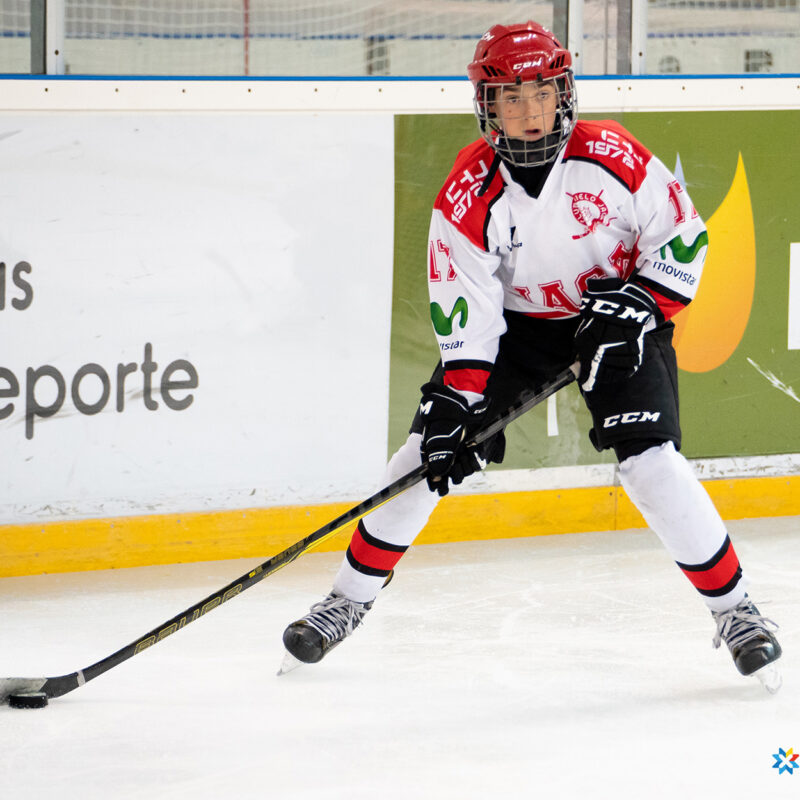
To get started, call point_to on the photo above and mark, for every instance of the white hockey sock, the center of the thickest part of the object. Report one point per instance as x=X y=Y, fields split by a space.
x=383 y=535
x=661 y=484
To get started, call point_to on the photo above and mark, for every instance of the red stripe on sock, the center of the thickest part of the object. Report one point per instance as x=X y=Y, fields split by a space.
x=717 y=576
x=371 y=556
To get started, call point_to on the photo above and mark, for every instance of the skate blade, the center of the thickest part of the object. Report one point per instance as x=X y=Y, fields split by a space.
x=289 y=663
x=770 y=678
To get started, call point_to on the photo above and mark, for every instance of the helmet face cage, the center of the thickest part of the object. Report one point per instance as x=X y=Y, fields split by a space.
x=524 y=151
x=523 y=64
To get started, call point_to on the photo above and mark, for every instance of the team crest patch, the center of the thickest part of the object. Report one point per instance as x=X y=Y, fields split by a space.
x=590 y=211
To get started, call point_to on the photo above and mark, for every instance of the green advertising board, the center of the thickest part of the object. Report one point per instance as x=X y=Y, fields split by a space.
x=739 y=381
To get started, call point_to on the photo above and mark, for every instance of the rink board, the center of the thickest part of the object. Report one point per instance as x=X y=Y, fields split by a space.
x=262 y=532
x=229 y=330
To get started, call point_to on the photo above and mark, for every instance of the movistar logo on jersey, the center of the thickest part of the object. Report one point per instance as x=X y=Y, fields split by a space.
x=443 y=323
x=683 y=252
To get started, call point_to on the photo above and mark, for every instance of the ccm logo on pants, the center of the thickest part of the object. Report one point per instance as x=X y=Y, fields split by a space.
x=631 y=416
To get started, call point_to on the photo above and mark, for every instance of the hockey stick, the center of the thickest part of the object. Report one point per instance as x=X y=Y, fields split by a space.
x=58 y=686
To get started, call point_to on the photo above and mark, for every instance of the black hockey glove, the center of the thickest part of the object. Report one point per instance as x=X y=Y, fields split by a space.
x=610 y=338
x=448 y=419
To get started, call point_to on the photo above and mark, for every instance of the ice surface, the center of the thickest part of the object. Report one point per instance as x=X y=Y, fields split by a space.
x=572 y=666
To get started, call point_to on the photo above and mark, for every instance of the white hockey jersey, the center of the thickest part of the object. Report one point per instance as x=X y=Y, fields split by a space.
x=608 y=208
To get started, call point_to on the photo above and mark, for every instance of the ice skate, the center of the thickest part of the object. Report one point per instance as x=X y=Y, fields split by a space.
x=329 y=622
x=751 y=640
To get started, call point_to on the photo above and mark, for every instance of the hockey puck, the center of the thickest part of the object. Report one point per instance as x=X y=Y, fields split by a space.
x=28 y=700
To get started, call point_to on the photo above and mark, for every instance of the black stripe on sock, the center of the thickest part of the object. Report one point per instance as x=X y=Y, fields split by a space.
x=363 y=568
x=712 y=562
x=728 y=587
x=381 y=545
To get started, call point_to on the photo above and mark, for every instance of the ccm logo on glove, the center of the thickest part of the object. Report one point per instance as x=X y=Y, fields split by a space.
x=598 y=305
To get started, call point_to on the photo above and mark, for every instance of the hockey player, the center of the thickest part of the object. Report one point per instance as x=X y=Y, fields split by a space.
x=552 y=240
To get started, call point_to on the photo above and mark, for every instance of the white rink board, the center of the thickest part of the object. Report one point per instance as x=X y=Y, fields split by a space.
x=612 y=94
x=246 y=227
x=255 y=247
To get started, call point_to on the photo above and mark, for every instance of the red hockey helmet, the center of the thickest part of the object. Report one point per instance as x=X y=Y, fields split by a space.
x=511 y=55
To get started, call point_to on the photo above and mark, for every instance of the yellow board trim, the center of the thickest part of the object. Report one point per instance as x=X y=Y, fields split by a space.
x=259 y=533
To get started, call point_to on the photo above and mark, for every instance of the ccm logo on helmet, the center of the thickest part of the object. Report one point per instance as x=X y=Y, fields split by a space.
x=631 y=416
x=525 y=64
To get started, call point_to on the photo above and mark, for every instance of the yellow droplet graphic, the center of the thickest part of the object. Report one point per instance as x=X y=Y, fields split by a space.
x=710 y=329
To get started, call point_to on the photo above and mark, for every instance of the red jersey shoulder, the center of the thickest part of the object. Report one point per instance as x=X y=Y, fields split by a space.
x=608 y=144
x=461 y=200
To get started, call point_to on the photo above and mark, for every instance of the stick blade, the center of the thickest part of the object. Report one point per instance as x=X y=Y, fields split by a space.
x=52 y=687
x=9 y=686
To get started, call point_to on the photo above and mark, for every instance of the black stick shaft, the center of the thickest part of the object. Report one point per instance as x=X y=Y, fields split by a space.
x=55 y=687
